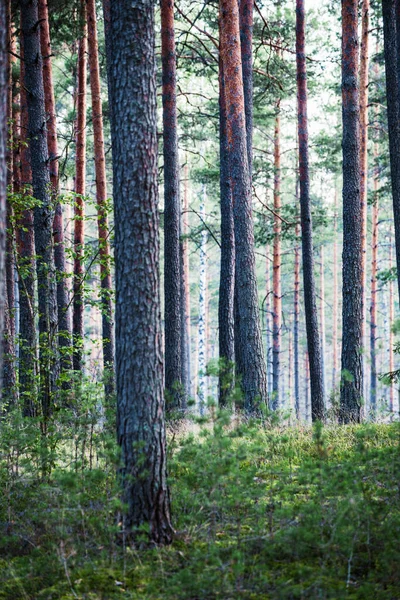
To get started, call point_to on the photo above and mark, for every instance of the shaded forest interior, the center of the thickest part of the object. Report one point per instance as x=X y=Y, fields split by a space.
x=199 y=252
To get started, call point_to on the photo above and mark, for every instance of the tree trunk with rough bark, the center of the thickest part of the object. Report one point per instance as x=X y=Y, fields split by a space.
x=227 y=269
x=185 y=290
x=310 y=305
x=391 y=41
x=64 y=316
x=254 y=380
x=139 y=369
x=352 y=375
x=43 y=212
x=276 y=274
x=101 y=198
x=78 y=327
x=3 y=164
x=172 y=213
x=364 y=64
x=26 y=265
x=268 y=327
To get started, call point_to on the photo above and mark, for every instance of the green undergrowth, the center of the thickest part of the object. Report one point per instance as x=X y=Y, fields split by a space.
x=260 y=512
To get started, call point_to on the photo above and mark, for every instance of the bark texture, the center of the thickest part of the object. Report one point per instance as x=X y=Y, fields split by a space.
x=352 y=376
x=374 y=290
x=227 y=268
x=64 y=316
x=139 y=369
x=185 y=292
x=172 y=212
x=43 y=212
x=254 y=380
x=79 y=209
x=26 y=263
x=391 y=46
x=296 y=324
x=101 y=198
x=313 y=337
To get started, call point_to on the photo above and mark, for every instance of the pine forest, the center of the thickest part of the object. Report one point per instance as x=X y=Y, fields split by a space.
x=199 y=299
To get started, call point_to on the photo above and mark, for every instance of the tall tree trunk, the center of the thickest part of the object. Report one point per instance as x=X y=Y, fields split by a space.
x=227 y=270
x=185 y=290
x=254 y=380
x=172 y=212
x=391 y=37
x=391 y=336
x=374 y=289
x=296 y=323
x=313 y=338
x=64 y=317
x=9 y=374
x=43 y=213
x=26 y=267
x=246 y=46
x=3 y=165
x=101 y=198
x=276 y=275
x=202 y=336
x=322 y=312
x=79 y=209
x=364 y=64
x=352 y=375
x=335 y=311
x=268 y=327
x=140 y=403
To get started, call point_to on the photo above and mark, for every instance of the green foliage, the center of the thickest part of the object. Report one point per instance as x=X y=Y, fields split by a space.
x=259 y=513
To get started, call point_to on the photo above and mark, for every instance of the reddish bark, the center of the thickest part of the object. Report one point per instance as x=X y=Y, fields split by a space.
x=79 y=209
x=26 y=267
x=254 y=380
x=227 y=270
x=64 y=318
x=101 y=197
x=352 y=376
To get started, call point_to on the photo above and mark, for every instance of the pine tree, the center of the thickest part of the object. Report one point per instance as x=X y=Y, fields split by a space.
x=172 y=212
x=352 y=376
x=313 y=337
x=139 y=370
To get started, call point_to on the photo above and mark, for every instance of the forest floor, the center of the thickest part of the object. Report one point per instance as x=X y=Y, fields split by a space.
x=260 y=512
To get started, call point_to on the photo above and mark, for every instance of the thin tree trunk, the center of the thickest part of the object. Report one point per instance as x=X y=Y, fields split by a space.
x=185 y=289
x=322 y=312
x=227 y=270
x=79 y=208
x=26 y=265
x=276 y=276
x=254 y=379
x=9 y=373
x=101 y=198
x=335 y=297
x=391 y=336
x=64 y=317
x=352 y=375
x=172 y=212
x=391 y=38
x=246 y=46
x=374 y=288
x=313 y=338
x=3 y=165
x=140 y=403
x=268 y=327
x=296 y=323
x=364 y=64
x=202 y=337
x=43 y=213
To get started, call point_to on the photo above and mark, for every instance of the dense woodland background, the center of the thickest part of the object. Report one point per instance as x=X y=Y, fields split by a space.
x=200 y=244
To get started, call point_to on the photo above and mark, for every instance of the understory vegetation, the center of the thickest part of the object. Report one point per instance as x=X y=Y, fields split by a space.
x=261 y=509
